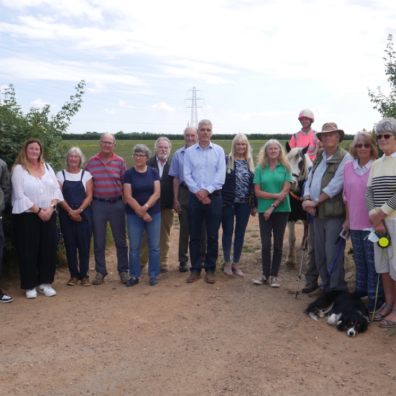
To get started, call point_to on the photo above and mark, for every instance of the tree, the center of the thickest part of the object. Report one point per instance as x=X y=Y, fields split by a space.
x=16 y=127
x=386 y=104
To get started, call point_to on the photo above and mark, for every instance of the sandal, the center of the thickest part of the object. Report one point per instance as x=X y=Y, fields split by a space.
x=383 y=311
x=388 y=323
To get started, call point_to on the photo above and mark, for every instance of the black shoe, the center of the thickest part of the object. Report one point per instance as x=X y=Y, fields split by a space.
x=132 y=282
x=183 y=267
x=153 y=281
x=310 y=289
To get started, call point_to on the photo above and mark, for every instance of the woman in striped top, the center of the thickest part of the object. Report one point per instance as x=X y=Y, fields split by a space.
x=381 y=202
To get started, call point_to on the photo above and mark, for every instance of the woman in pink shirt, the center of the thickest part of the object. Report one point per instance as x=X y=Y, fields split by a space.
x=356 y=174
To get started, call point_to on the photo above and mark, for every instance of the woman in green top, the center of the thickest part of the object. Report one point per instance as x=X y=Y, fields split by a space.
x=272 y=184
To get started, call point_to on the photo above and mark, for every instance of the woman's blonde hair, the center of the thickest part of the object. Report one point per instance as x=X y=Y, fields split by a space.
x=248 y=156
x=367 y=137
x=22 y=157
x=263 y=160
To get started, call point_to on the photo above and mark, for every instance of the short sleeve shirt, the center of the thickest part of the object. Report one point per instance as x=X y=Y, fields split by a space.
x=142 y=185
x=272 y=181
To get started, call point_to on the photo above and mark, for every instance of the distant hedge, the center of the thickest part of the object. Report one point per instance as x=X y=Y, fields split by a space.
x=152 y=136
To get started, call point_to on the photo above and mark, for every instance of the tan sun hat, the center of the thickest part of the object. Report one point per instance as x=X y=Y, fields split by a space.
x=330 y=127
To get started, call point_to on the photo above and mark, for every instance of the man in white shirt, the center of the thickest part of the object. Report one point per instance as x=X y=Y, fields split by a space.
x=204 y=173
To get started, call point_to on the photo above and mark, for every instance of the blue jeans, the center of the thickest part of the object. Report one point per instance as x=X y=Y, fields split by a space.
x=211 y=214
x=239 y=212
x=366 y=277
x=136 y=228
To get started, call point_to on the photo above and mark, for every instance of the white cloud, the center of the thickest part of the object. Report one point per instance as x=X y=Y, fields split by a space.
x=39 y=103
x=95 y=72
x=125 y=105
x=163 y=107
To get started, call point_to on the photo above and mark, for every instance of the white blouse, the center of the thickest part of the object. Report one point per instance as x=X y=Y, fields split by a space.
x=29 y=190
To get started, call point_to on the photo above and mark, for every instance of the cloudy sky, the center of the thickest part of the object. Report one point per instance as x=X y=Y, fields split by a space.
x=255 y=63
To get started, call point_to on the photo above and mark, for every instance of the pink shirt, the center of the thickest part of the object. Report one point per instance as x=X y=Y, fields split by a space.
x=355 y=186
x=302 y=139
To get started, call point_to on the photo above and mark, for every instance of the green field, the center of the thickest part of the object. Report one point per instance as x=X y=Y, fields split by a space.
x=124 y=147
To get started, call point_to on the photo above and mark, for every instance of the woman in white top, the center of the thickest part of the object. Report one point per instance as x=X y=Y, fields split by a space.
x=75 y=216
x=35 y=194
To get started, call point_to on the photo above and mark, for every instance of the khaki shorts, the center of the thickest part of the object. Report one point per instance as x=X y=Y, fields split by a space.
x=385 y=259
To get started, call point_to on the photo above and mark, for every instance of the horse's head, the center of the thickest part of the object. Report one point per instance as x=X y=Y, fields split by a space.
x=300 y=165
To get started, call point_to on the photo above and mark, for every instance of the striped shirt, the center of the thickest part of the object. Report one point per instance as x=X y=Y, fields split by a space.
x=107 y=176
x=381 y=186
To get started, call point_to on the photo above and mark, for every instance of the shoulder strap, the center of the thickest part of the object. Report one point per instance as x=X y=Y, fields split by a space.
x=82 y=174
x=64 y=175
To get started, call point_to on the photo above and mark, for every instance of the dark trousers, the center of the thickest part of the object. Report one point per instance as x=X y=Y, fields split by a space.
x=210 y=215
x=366 y=278
x=113 y=213
x=36 y=244
x=311 y=272
x=238 y=215
x=1 y=243
x=184 y=232
x=275 y=226
x=77 y=238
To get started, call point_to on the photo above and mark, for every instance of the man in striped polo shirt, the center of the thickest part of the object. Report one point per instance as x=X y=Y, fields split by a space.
x=107 y=171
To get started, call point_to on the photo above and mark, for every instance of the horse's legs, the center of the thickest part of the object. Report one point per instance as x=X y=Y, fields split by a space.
x=291 y=254
x=304 y=242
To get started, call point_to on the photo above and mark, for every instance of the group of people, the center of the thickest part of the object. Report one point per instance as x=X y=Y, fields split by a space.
x=207 y=189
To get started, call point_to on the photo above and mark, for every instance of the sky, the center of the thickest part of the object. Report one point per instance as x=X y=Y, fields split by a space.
x=254 y=63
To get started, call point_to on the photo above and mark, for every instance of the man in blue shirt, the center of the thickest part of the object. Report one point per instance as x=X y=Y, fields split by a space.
x=204 y=174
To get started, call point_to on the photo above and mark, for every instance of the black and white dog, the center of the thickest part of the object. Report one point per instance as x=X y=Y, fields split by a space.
x=344 y=310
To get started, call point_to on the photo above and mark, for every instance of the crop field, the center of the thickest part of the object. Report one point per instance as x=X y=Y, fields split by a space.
x=124 y=147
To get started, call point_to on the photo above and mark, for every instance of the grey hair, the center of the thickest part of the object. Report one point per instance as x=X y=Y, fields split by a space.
x=387 y=124
x=141 y=148
x=165 y=139
x=107 y=134
x=188 y=128
x=75 y=150
x=204 y=122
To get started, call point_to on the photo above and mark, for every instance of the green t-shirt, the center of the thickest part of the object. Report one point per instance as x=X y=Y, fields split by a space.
x=272 y=181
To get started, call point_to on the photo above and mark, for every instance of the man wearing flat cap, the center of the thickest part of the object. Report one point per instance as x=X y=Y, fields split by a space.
x=323 y=200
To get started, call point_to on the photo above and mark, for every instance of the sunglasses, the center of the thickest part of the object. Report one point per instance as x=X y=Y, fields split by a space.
x=384 y=136
x=361 y=145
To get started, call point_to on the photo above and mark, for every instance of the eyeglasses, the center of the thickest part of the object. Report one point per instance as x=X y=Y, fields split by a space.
x=139 y=155
x=205 y=129
x=384 y=136
x=361 y=145
x=106 y=143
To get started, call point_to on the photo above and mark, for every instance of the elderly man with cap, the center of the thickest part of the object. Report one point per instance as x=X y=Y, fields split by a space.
x=323 y=200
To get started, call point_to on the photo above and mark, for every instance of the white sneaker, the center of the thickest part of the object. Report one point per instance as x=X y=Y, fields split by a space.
x=260 y=281
x=31 y=293
x=47 y=290
x=274 y=282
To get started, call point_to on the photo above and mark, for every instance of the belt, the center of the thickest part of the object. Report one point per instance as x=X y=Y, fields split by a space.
x=108 y=200
x=215 y=193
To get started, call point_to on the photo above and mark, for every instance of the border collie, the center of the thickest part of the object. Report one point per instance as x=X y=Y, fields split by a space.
x=344 y=310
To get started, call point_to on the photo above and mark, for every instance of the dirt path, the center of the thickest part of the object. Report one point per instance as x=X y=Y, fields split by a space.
x=231 y=338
